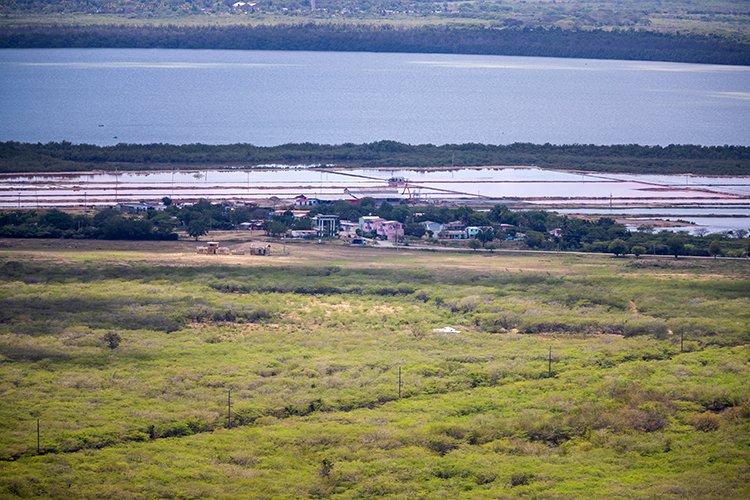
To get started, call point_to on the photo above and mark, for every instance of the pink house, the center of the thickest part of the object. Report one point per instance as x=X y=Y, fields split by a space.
x=389 y=229
x=392 y=230
x=370 y=223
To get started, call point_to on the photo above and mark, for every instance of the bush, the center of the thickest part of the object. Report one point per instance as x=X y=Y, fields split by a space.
x=497 y=323
x=228 y=313
x=653 y=327
x=441 y=444
x=171 y=429
x=705 y=422
x=719 y=402
x=618 y=247
x=550 y=430
x=112 y=339
x=638 y=250
x=649 y=417
x=521 y=479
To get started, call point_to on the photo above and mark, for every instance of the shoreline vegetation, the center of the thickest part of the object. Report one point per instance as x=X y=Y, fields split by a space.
x=625 y=44
x=18 y=157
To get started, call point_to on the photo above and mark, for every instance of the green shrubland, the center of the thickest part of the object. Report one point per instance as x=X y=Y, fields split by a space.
x=568 y=382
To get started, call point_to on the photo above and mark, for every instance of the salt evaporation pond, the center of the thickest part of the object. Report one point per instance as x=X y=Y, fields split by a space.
x=570 y=192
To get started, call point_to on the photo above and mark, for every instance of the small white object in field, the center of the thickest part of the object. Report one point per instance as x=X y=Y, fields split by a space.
x=446 y=329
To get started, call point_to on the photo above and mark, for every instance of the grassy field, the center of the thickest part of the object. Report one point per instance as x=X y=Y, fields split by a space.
x=569 y=376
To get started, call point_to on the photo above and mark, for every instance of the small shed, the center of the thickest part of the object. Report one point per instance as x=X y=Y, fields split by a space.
x=261 y=250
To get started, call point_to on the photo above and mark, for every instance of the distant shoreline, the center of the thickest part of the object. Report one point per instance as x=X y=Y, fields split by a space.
x=54 y=157
x=474 y=40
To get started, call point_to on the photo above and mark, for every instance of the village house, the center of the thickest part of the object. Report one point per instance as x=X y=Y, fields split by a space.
x=432 y=227
x=297 y=214
x=303 y=234
x=303 y=201
x=134 y=208
x=348 y=229
x=391 y=230
x=244 y=6
x=473 y=231
x=453 y=235
x=455 y=225
x=253 y=225
x=370 y=223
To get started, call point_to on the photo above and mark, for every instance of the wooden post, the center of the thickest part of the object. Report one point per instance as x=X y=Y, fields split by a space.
x=38 y=439
x=399 y=382
x=682 y=341
x=229 y=409
x=549 y=363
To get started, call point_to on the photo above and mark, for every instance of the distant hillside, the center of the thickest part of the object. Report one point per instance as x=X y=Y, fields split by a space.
x=552 y=42
x=724 y=17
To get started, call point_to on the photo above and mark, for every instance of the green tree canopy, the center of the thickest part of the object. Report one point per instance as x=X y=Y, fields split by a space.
x=714 y=248
x=618 y=247
x=198 y=227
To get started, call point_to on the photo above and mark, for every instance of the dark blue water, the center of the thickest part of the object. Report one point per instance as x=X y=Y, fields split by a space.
x=106 y=96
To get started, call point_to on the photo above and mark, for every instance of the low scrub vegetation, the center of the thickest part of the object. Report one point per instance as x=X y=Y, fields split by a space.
x=589 y=378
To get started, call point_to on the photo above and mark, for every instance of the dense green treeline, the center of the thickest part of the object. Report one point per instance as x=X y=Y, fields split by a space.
x=631 y=158
x=113 y=224
x=548 y=42
x=108 y=224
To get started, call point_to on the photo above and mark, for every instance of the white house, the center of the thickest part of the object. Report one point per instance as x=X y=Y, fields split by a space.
x=434 y=227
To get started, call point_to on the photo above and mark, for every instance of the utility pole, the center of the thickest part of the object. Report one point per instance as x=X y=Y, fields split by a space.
x=399 y=382
x=229 y=409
